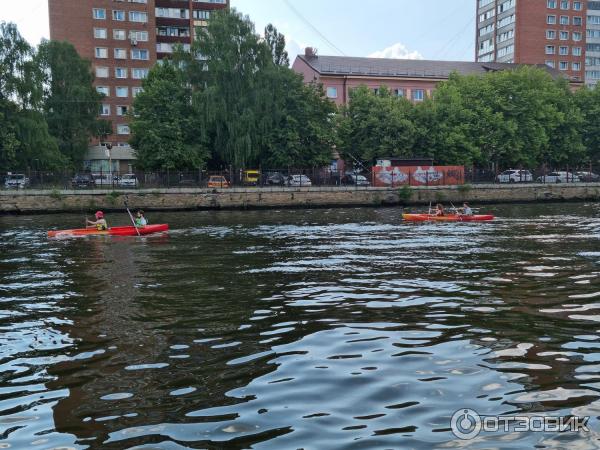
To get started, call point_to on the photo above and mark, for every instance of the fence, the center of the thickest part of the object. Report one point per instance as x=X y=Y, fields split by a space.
x=285 y=178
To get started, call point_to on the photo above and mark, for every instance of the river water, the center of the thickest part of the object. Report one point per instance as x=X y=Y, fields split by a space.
x=318 y=329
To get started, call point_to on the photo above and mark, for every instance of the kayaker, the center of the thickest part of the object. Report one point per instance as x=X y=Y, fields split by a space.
x=140 y=219
x=439 y=210
x=466 y=210
x=99 y=223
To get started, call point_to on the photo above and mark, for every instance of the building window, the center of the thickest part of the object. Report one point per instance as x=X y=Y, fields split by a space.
x=576 y=51
x=101 y=52
x=101 y=72
x=100 y=33
x=120 y=53
x=138 y=16
x=139 y=74
x=550 y=63
x=563 y=51
x=140 y=36
x=418 y=95
x=99 y=13
x=120 y=72
x=564 y=20
x=577 y=6
x=564 y=4
x=103 y=90
x=576 y=66
x=136 y=90
x=550 y=50
x=105 y=109
x=118 y=15
x=564 y=65
x=577 y=36
x=564 y=35
x=332 y=92
x=202 y=15
x=122 y=110
x=551 y=20
x=577 y=21
x=119 y=35
x=550 y=34
x=140 y=54
x=123 y=129
x=122 y=91
x=552 y=4
x=400 y=92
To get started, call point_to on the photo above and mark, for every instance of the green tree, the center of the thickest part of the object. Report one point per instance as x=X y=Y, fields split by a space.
x=24 y=137
x=71 y=103
x=376 y=125
x=588 y=101
x=520 y=117
x=165 y=132
x=276 y=42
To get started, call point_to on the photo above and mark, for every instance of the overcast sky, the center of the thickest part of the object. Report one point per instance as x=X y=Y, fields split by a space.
x=430 y=29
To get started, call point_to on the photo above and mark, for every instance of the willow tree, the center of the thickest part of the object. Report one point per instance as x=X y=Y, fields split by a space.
x=24 y=137
x=165 y=134
x=71 y=102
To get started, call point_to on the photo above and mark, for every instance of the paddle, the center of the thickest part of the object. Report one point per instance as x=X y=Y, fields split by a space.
x=456 y=211
x=131 y=216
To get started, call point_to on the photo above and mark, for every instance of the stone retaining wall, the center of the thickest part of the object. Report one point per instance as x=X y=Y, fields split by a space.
x=44 y=201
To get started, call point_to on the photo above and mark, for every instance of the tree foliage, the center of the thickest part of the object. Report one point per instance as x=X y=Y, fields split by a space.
x=276 y=42
x=509 y=118
x=165 y=135
x=71 y=103
x=245 y=106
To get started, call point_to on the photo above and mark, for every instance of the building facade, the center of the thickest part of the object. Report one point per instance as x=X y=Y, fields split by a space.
x=412 y=79
x=551 y=32
x=123 y=39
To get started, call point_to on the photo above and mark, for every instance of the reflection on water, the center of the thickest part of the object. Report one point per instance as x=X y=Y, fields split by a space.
x=289 y=329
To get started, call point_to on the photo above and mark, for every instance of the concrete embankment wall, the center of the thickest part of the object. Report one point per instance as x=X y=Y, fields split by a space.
x=46 y=201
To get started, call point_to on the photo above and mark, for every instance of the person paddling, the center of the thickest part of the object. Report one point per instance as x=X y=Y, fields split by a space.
x=439 y=210
x=466 y=210
x=140 y=219
x=99 y=223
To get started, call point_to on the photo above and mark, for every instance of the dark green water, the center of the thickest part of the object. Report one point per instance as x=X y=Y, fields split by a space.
x=322 y=329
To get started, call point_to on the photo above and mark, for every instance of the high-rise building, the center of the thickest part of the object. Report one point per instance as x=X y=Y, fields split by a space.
x=592 y=56
x=551 y=32
x=123 y=39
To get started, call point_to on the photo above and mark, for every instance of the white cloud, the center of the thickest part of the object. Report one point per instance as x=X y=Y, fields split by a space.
x=397 y=51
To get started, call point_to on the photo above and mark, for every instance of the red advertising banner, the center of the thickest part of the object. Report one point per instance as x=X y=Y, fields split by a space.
x=418 y=176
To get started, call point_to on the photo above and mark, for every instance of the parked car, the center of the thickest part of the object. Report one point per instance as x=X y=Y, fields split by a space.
x=275 y=179
x=515 y=176
x=355 y=180
x=16 y=181
x=128 y=180
x=588 y=177
x=250 y=177
x=559 y=177
x=104 y=179
x=82 y=180
x=218 y=181
x=298 y=180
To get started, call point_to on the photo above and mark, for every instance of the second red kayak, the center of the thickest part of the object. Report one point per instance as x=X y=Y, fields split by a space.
x=446 y=218
x=114 y=231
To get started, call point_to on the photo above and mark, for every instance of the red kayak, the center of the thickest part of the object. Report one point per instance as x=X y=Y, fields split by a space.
x=446 y=218
x=114 y=231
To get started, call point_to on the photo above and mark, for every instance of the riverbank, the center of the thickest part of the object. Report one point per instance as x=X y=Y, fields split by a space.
x=54 y=201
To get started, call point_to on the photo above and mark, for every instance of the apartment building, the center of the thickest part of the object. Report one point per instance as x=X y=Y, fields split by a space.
x=411 y=79
x=592 y=57
x=123 y=39
x=551 y=32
